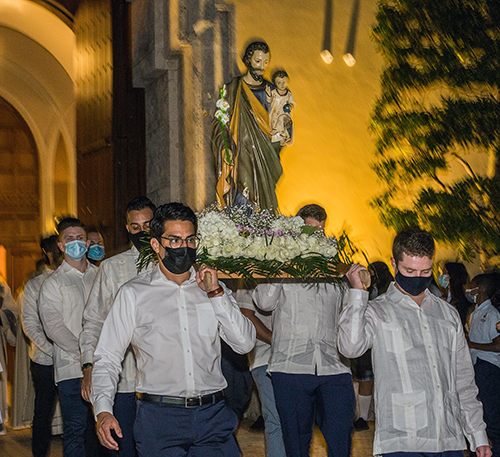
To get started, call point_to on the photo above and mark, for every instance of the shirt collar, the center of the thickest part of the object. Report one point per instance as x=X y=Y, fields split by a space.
x=66 y=267
x=158 y=274
x=395 y=295
x=483 y=305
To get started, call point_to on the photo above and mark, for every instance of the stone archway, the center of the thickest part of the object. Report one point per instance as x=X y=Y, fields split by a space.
x=19 y=196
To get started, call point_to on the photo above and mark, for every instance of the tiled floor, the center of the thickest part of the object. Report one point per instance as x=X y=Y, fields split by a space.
x=17 y=443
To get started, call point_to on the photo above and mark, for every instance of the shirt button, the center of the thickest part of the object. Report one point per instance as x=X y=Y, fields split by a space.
x=430 y=346
x=188 y=350
x=425 y=326
x=189 y=374
x=438 y=386
x=184 y=328
x=433 y=366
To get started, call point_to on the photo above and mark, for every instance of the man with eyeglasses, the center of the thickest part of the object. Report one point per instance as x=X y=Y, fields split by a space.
x=174 y=323
x=114 y=272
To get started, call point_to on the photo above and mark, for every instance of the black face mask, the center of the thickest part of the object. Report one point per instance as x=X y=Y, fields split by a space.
x=137 y=239
x=413 y=285
x=179 y=260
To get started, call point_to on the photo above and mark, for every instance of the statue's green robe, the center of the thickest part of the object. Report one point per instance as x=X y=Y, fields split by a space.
x=255 y=167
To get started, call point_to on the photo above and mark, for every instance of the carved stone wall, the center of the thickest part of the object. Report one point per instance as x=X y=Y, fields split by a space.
x=182 y=52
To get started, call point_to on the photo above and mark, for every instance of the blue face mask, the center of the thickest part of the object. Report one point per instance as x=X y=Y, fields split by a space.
x=96 y=252
x=76 y=249
x=443 y=281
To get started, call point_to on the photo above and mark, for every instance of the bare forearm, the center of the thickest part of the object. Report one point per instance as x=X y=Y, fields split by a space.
x=262 y=332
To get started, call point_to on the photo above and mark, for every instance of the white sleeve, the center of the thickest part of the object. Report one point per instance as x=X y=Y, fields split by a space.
x=50 y=304
x=30 y=319
x=355 y=333
x=116 y=335
x=268 y=297
x=236 y=329
x=95 y=312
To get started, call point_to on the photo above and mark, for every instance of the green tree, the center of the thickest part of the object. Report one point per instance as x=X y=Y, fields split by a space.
x=439 y=109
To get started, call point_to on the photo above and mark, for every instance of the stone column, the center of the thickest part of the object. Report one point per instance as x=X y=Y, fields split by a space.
x=182 y=51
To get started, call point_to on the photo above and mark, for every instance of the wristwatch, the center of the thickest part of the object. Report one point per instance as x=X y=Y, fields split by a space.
x=86 y=365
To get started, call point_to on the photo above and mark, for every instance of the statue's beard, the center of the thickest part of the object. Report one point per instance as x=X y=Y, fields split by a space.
x=256 y=74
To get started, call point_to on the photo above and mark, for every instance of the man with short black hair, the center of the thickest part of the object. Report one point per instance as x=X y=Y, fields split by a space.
x=310 y=380
x=61 y=302
x=425 y=396
x=174 y=325
x=112 y=274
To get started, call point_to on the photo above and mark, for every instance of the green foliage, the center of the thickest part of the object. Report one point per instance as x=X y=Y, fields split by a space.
x=439 y=105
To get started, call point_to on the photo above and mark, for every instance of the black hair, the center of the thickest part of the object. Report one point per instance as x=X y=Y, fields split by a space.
x=413 y=241
x=251 y=48
x=458 y=279
x=489 y=282
x=68 y=222
x=140 y=203
x=171 y=212
x=93 y=229
x=49 y=245
x=313 y=211
x=279 y=74
x=383 y=276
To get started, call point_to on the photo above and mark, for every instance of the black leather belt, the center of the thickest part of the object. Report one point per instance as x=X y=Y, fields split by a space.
x=187 y=402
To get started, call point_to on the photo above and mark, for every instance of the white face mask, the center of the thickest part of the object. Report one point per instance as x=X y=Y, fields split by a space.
x=469 y=296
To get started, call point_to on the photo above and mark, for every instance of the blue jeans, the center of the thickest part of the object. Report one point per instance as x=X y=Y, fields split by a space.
x=274 y=436
x=303 y=398
x=74 y=413
x=176 y=431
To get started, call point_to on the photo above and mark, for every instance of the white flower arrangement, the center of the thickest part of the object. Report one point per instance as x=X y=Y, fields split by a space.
x=233 y=233
x=242 y=242
x=247 y=243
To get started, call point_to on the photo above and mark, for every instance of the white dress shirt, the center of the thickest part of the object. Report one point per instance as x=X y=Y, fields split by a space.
x=260 y=354
x=174 y=330
x=483 y=322
x=41 y=348
x=112 y=274
x=425 y=395
x=305 y=326
x=62 y=299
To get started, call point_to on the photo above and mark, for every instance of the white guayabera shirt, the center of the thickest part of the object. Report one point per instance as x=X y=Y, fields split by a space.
x=305 y=322
x=425 y=394
x=62 y=299
x=41 y=348
x=175 y=332
x=112 y=274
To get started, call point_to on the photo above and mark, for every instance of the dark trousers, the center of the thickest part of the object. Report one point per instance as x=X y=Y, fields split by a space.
x=176 y=431
x=488 y=383
x=124 y=410
x=79 y=437
x=426 y=454
x=239 y=380
x=302 y=399
x=45 y=402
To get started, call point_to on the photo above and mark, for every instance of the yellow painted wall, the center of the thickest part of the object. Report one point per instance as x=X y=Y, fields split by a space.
x=329 y=163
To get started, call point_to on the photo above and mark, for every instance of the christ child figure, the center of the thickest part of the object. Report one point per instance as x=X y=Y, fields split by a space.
x=282 y=103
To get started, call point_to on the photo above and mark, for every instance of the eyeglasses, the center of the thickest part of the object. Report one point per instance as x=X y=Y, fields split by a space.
x=175 y=242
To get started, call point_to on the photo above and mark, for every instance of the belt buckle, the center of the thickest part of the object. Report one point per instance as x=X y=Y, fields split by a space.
x=188 y=404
